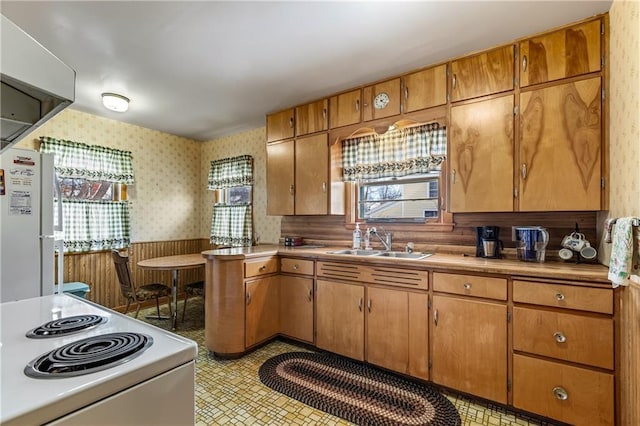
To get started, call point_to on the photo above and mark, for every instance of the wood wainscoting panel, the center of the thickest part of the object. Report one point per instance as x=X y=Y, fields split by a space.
x=97 y=270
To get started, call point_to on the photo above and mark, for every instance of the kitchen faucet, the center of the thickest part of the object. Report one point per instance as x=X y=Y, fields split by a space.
x=386 y=242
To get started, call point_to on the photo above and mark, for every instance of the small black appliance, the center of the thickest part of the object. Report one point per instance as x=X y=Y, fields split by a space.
x=488 y=243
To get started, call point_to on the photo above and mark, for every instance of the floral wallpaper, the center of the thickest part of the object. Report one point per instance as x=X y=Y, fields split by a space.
x=624 y=112
x=252 y=142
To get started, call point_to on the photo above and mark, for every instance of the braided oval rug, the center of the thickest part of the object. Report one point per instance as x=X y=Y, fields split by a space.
x=356 y=392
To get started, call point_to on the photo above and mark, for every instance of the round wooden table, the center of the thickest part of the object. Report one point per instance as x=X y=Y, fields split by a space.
x=174 y=264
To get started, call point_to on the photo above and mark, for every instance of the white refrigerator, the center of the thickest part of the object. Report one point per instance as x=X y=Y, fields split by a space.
x=29 y=224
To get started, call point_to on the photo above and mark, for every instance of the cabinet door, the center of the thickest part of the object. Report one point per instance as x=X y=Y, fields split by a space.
x=419 y=335
x=469 y=346
x=345 y=109
x=312 y=175
x=381 y=100
x=340 y=318
x=425 y=89
x=261 y=310
x=388 y=328
x=482 y=74
x=280 y=179
x=481 y=156
x=564 y=53
x=280 y=125
x=560 y=147
x=312 y=117
x=296 y=307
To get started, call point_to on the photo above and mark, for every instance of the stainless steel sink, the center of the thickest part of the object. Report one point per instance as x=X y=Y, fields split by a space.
x=404 y=255
x=355 y=252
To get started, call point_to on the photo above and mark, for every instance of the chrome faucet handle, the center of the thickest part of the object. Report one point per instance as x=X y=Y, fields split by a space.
x=409 y=247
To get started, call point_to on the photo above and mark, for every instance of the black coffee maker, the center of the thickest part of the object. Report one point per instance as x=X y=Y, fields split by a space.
x=488 y=243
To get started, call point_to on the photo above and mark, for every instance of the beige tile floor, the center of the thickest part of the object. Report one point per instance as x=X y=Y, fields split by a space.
x=229 y=392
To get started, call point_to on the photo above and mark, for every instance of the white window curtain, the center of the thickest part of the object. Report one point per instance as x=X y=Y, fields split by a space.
x=92 y=224
x=396 y=153
x=231 y=225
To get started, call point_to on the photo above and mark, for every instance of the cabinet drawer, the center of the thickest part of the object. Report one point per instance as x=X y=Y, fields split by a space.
x=335 y=270
x=296 y=266
x=564 y=296
x=471 y=285
x=396 y=277
x=253 y=268
x=570 y=337
x=570 y=394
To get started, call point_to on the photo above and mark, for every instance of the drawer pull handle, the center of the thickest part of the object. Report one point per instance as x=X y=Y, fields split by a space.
x=560 y=393
x=360 y=305
x=559 y=296
x=369 y=305
x=435 y=317
x=248 y=298
x=467 y=286
x=295 y=267
x=262 y=268
x=524 y=63
x=310 y=295
x=560 y=337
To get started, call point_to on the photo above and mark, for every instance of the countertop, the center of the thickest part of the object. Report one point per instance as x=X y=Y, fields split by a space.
x=439 y=261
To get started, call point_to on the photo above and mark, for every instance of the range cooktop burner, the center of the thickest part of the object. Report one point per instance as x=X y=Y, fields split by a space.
x=89 y=355
x=64 y=326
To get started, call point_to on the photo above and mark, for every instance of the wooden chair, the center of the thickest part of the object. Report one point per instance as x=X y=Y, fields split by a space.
x=142 y=293
x=192 y=289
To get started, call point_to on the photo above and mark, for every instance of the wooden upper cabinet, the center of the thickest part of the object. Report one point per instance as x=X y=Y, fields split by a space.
x=312 y=117
x=280 y=125
x=481 y=156
x=560 y=147
x=381 y=100
x=482 y=74
x=564 y=53
x=280 y=178
x=425 y=89
x=345 y=109
x=312 y=175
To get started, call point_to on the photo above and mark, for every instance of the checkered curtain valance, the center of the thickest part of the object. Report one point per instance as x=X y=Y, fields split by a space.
x=396 y=153
x=230 y=172
x=94 y=162
x=95 y=225
x=232 y=226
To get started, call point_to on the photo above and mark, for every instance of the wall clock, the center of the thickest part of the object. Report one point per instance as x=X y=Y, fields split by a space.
x=381 y=100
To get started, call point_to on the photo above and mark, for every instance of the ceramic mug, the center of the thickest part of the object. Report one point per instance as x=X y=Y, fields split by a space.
x=565 y=254
x=574 y=242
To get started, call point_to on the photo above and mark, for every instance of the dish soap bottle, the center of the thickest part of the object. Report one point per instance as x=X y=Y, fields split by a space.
x=357 y=237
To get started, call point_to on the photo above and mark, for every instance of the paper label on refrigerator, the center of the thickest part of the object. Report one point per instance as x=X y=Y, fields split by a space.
x=20 y=203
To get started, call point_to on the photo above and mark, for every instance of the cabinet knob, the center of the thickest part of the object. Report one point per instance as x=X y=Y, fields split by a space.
x=559 y=297
x=560 y=393
x=467 y=286
x=560 y=337
x=524 y=63
x=248 y=298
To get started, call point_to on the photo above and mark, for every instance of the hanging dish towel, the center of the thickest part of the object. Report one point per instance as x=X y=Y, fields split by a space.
x=624 y=254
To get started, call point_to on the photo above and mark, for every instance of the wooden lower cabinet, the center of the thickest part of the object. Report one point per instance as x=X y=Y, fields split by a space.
x=397 y=336
x=563 y=392
x=261 y=310
x=469 y=346
x=296 y=307
x=340 y=318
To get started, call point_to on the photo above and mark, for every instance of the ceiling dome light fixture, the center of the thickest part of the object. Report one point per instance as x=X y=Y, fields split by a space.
x=115 y=102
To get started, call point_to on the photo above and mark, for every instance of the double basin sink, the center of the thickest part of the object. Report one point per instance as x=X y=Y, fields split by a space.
x=379 y=253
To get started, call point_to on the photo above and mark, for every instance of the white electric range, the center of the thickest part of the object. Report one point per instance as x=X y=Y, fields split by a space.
x=106 y=368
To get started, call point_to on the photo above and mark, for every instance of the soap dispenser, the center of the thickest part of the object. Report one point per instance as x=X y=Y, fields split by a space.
x=357 y=237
